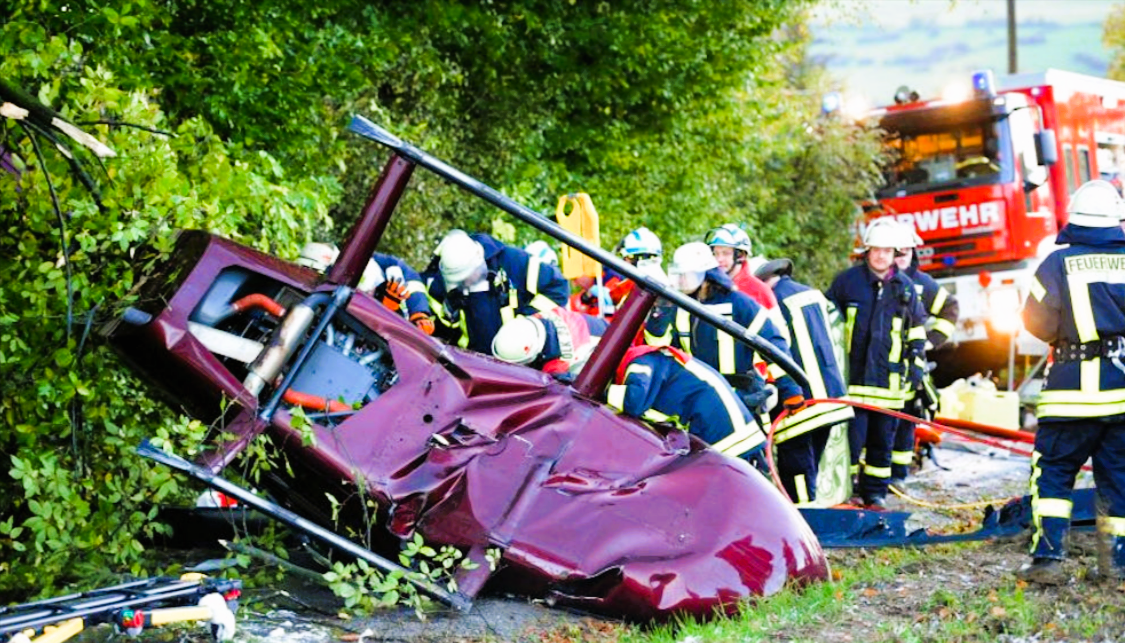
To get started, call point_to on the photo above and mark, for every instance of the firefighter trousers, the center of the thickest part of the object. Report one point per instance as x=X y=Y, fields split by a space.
x=902 y=449
x=798 y=463
x=873 y=433
x=1061 y=448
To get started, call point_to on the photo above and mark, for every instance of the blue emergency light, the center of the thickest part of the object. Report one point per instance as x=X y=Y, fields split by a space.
x=983 y=83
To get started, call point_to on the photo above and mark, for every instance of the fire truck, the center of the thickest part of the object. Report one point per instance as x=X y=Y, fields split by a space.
x=984 y=179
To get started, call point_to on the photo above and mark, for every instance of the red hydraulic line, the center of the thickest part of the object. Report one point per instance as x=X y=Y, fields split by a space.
x=995 y=431
x=258 y=300
x=1022 y=435
x=314 y=402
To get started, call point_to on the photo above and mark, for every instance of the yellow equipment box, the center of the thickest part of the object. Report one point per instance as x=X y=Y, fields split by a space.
x=980 y=404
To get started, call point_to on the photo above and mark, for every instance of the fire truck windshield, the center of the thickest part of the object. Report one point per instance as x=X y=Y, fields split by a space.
x=943 y=148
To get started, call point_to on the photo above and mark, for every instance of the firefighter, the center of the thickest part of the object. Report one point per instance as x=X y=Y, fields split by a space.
x=1076 y=304
x=731 y=247
x=941 y=310
x=664 y=385
x=400 y=288
x=542 y=251
x=557 y=342
x=801 y=438
x=641 y=248
x=475 y=284
x=883 y=334
x=695 y=272
x=386 y=278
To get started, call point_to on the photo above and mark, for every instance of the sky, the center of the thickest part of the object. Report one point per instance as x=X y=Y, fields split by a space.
x=875 y=46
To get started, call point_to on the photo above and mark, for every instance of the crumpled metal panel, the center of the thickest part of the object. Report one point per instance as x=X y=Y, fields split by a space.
x=591 y=509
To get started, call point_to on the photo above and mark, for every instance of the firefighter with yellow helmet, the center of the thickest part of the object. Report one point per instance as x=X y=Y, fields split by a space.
x=1076 y=304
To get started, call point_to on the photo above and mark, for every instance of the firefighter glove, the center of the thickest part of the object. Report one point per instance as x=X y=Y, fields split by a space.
x=394 y=294
x=914 y=376
x=424 y=322
x=795 y=403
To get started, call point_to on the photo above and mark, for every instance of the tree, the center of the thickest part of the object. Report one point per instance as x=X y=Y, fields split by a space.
x=1113 y=37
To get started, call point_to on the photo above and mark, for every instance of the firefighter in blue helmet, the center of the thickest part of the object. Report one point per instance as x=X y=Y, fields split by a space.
x=800 y=438
x=1076 y=304
x=695 y=272
x=883 y=336
x=665 y=385
x=475 y=284
x=941 y=311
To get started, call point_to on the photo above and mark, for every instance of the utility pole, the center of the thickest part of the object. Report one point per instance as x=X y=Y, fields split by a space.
x=1012 y=66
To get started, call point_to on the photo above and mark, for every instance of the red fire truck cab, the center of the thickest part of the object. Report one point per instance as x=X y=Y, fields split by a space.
x=985 y=182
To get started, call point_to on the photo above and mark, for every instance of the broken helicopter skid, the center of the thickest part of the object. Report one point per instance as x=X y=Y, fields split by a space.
x=589 y=509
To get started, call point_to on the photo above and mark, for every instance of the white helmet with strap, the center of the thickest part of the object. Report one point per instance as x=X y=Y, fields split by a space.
x=641 y=242
x=884 y=233
x=1096 y=204
x=520 y=340
x=318 y=256
x=690 y=264
x=730 y=236
x=460 y=259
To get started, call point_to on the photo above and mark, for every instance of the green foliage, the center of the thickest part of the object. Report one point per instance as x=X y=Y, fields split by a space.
x=1113 y=37
x=675 y=114
x=76 y=500
x=365 y=588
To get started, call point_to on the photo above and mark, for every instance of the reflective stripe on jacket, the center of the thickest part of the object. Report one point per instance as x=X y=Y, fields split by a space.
x=518 y=284
x=883 y=332
x=687 y=392
x=571 y=337
x=1078 y=296
x=805 y=311
x=941 y=307
x=717 y=348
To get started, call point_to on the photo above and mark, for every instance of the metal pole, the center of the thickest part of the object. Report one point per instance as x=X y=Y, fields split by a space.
x=281 y=514
x=369 y=130
x=1012 y=66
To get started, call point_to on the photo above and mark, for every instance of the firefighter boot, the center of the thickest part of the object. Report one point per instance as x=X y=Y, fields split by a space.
x=1105 y=570
x=1043 y=571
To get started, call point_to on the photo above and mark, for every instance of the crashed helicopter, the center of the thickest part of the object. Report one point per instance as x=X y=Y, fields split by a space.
x=588 y=508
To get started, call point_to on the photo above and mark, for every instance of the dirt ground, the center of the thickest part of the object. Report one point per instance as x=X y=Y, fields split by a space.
x=923 y=600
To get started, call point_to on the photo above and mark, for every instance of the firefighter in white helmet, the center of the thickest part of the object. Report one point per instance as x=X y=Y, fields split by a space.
x=884 y=333
x=941 y=319
x=386 y=278
x=318 y=256
x=557 y=342
x=1076 y=303
x=476 y=283
x=695 y=272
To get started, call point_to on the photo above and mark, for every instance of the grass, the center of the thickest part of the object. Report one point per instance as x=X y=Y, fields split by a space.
x=897 y=596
